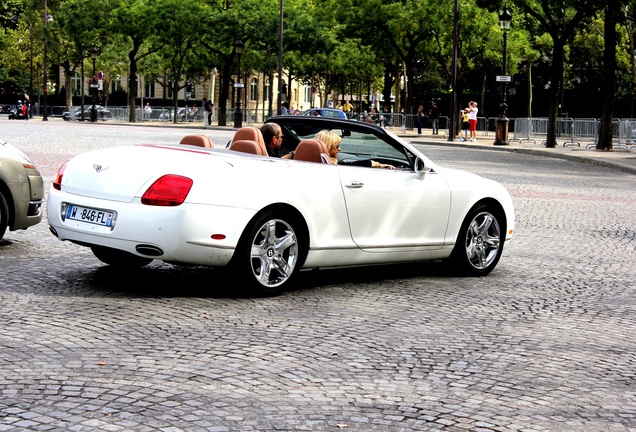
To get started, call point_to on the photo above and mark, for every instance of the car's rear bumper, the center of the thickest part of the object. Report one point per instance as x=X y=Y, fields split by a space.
x=190 y=233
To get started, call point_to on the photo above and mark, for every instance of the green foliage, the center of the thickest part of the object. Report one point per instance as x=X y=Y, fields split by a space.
x=335 y=45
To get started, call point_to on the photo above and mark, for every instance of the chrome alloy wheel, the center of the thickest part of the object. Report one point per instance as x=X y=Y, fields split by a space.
x=274 y=253
x=483 y=240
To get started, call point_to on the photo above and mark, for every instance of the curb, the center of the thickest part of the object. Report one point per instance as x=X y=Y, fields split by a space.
x=603 y=159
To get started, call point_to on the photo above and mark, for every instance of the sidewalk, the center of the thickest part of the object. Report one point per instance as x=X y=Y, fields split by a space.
x=618 y=158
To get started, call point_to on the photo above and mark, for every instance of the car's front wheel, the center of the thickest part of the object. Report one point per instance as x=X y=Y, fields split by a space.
x=480 y=241
x=268 y=253
x=119 y=258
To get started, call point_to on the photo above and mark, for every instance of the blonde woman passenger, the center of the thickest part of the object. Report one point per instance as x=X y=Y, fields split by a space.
x=332 y=142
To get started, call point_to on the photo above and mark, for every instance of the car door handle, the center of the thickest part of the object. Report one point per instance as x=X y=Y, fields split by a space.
x=355 y=185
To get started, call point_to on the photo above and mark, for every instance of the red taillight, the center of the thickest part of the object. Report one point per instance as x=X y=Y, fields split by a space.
x=169 y=190
x=57 y=181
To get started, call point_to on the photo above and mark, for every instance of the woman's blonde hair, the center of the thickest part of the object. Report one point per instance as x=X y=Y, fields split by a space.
x=330 y=138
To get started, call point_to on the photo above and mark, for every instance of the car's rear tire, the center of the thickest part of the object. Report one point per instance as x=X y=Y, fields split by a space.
x=268 y=254
x=480 y=241
x=4 y=215
x=119 y=258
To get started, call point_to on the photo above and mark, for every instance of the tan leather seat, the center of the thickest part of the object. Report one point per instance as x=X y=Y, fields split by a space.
x=197 y=140
x=312 y=150
x=248 y=146
x=249 y=133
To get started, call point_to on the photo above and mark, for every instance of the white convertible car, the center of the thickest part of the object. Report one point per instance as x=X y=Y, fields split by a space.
x=267 y=218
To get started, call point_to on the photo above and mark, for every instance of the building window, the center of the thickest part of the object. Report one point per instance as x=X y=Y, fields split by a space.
x=76 y=85
x=149 y=87
x=115 y=84
x=169 y=91
x=267 y=90
x=192 y=89
x=307 y=94
x=254 y=90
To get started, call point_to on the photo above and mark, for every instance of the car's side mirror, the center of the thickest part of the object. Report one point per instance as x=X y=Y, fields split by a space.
x=420 y=168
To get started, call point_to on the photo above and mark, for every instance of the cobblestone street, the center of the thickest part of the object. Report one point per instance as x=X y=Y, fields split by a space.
x=546 y=342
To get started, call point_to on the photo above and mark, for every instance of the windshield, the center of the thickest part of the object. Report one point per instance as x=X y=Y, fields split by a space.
x=355 y=144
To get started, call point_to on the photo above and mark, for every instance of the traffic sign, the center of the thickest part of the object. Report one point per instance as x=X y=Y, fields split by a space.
x=504 y=78
x=100 y=75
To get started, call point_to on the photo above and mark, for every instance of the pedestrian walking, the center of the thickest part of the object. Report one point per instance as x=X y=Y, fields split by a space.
x=147 y=111
x=420 y=119
x=348 y=109
x=207 y=108
x=472 y=120
x=433 y=115
x=464 y=117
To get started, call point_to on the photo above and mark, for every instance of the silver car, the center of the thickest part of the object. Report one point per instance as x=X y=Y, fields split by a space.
x=21 y=190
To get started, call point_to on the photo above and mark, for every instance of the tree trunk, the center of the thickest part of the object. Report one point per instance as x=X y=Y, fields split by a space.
x=68 y=97
x=132 y=90
x=132 y=82
x=175 y=100
x=223 y=91
x=556 y=85
x=609 y=59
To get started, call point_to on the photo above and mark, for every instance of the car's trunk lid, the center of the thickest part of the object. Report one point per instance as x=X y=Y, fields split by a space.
x=122 y=173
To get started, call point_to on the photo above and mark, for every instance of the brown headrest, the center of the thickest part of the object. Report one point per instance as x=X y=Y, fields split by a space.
x=312 y=150
x=197 y=140
x=248 y=146
x=250 y=133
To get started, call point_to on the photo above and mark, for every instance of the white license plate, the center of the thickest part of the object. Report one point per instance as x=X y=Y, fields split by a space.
x=90 y=215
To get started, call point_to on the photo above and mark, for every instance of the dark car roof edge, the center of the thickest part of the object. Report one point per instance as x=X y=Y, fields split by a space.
x=346 y=124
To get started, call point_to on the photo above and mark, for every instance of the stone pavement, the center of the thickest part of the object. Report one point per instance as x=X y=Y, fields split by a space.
x=545 y=343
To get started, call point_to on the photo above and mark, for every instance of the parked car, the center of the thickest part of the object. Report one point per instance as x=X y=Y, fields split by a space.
x=102 y=113
x=196 y=116
x=21 y=190
x=325 y=112
x=168 y=115
x=208 y=206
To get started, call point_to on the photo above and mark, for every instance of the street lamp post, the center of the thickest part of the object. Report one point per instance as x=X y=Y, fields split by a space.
x=94 y=85
x=279 y=99
x=453 y=126
x=47 y=19
x=501 y=128
x=238 y=115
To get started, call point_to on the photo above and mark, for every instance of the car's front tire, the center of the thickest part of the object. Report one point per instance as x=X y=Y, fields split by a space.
x=268 y=253
x=119 y=258
x=480 y=241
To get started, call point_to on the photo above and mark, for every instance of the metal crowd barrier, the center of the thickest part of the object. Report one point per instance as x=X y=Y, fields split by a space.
x=523 y=131
x=626 y=134
x=574 y=131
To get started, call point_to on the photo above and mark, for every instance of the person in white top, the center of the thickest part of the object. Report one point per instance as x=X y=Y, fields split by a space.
x=472 y=120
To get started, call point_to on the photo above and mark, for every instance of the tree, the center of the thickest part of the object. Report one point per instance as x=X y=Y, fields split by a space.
x=559 y=19
x=79 y=26
x=609 y=64
x=132 y=26
x=178 y=30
